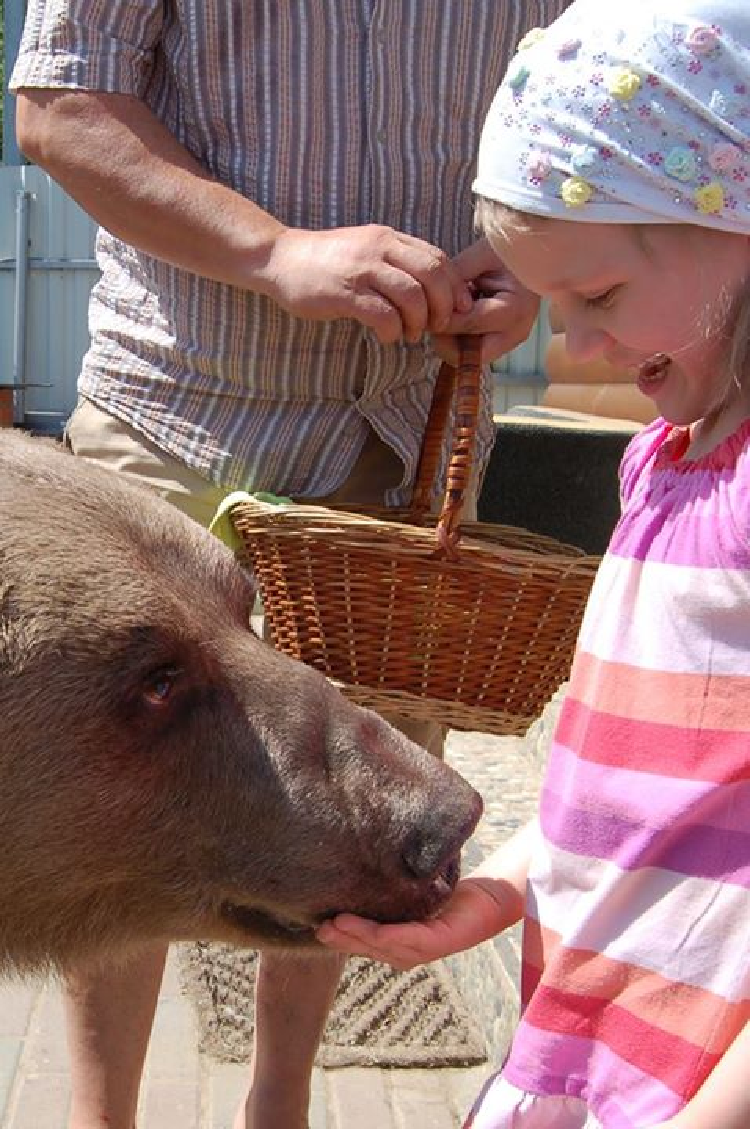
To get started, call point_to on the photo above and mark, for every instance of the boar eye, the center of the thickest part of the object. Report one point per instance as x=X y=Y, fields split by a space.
x=159 y=685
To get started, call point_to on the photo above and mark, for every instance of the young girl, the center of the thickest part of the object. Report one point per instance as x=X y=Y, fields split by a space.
x=614 y=179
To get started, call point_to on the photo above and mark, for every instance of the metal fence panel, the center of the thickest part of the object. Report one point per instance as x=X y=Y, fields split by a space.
x=50 y=310
x=14 y=12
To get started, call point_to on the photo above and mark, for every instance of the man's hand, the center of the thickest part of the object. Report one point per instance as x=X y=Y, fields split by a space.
x=397 y=285
x=503 y=312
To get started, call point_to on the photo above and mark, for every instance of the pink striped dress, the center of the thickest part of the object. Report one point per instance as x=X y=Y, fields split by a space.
x=636 y=967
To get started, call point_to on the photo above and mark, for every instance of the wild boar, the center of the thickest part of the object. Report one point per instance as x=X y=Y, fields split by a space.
x=165 y=773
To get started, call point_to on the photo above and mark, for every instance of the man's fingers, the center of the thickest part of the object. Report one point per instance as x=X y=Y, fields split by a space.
x=375 y=311
x=443 y=287
x=407 y=298
x=395 y=284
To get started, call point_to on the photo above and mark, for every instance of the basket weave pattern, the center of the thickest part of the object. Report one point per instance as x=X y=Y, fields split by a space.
x=473 y=625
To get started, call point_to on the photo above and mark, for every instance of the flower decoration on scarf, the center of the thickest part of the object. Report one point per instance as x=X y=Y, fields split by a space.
x=539 y=166
x=625 y=84
x=568 y=49
x=518 y=74
x=584 y=158
x=710 y=198
x=575 y=192
x=725 y=157
x=702 y=40
x=681 y=164
x=531 y=38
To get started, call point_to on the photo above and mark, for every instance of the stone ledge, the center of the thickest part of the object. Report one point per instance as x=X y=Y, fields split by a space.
x=557 y=474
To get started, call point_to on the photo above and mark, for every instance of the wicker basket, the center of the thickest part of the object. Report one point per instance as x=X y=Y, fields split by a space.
x=472 y=625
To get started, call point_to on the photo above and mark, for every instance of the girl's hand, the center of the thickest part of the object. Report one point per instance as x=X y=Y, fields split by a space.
x=503 y=313
x=473 y=914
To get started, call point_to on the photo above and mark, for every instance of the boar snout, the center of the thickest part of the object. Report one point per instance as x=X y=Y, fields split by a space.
x=430 y=852
x=411 y=815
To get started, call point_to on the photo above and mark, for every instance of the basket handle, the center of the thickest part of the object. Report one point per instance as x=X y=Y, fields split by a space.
x=460 y=385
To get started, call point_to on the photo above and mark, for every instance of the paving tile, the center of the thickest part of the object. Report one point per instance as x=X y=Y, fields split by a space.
x=10 y=1053
x=17 y=1004
x=359 y=1096
x=41 y=1102
x=223 y=1087
x=463 y=1087
x=420 y=1097
x=171 y=1104
x=173 y=1049
x=46 y=1048
x=319 y=1118
x=171 y=984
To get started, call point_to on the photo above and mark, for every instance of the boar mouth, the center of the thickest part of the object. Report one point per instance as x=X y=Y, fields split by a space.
x=445 y=882
x=425 y=900
x=263 y=926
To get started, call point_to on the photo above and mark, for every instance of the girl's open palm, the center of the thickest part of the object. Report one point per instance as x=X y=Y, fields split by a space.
x=472 y=915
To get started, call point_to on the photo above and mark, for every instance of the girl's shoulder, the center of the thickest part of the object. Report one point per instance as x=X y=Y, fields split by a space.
x=641 y=452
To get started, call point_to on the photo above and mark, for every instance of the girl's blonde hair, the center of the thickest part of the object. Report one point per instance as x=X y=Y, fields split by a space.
x=739 y=346
x=493 y=220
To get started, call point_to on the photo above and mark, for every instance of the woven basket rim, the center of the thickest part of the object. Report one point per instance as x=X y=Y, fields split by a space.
x=482 y=543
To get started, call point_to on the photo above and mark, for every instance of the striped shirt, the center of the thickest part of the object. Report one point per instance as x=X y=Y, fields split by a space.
x=636 y=976
x=326 y=113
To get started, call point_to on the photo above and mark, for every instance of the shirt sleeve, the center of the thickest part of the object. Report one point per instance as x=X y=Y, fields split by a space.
x=554 y=9
x=106 y=45
x=638 y=454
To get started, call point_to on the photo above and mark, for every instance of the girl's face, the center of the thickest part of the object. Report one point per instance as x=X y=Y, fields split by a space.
x=657 y=300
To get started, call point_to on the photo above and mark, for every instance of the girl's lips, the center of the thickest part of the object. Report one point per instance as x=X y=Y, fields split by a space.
x=651 y=373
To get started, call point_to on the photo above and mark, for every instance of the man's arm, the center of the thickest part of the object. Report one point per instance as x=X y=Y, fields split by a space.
x=112 y=155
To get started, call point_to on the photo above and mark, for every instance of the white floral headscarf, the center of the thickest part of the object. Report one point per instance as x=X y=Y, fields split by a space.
x=630 y=111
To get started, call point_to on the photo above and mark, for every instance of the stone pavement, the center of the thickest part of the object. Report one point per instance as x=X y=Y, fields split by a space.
x=184 y=1090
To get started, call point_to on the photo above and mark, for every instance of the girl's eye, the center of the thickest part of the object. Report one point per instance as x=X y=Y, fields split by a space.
x=602 y=301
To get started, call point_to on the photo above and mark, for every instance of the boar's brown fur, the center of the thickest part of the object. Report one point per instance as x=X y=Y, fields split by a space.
x=165 y=774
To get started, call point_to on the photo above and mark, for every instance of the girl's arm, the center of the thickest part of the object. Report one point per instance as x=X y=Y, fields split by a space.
x=723 y=1101
x=491 y=899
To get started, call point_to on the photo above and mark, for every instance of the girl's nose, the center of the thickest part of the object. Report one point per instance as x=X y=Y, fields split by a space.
x=584 y=342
